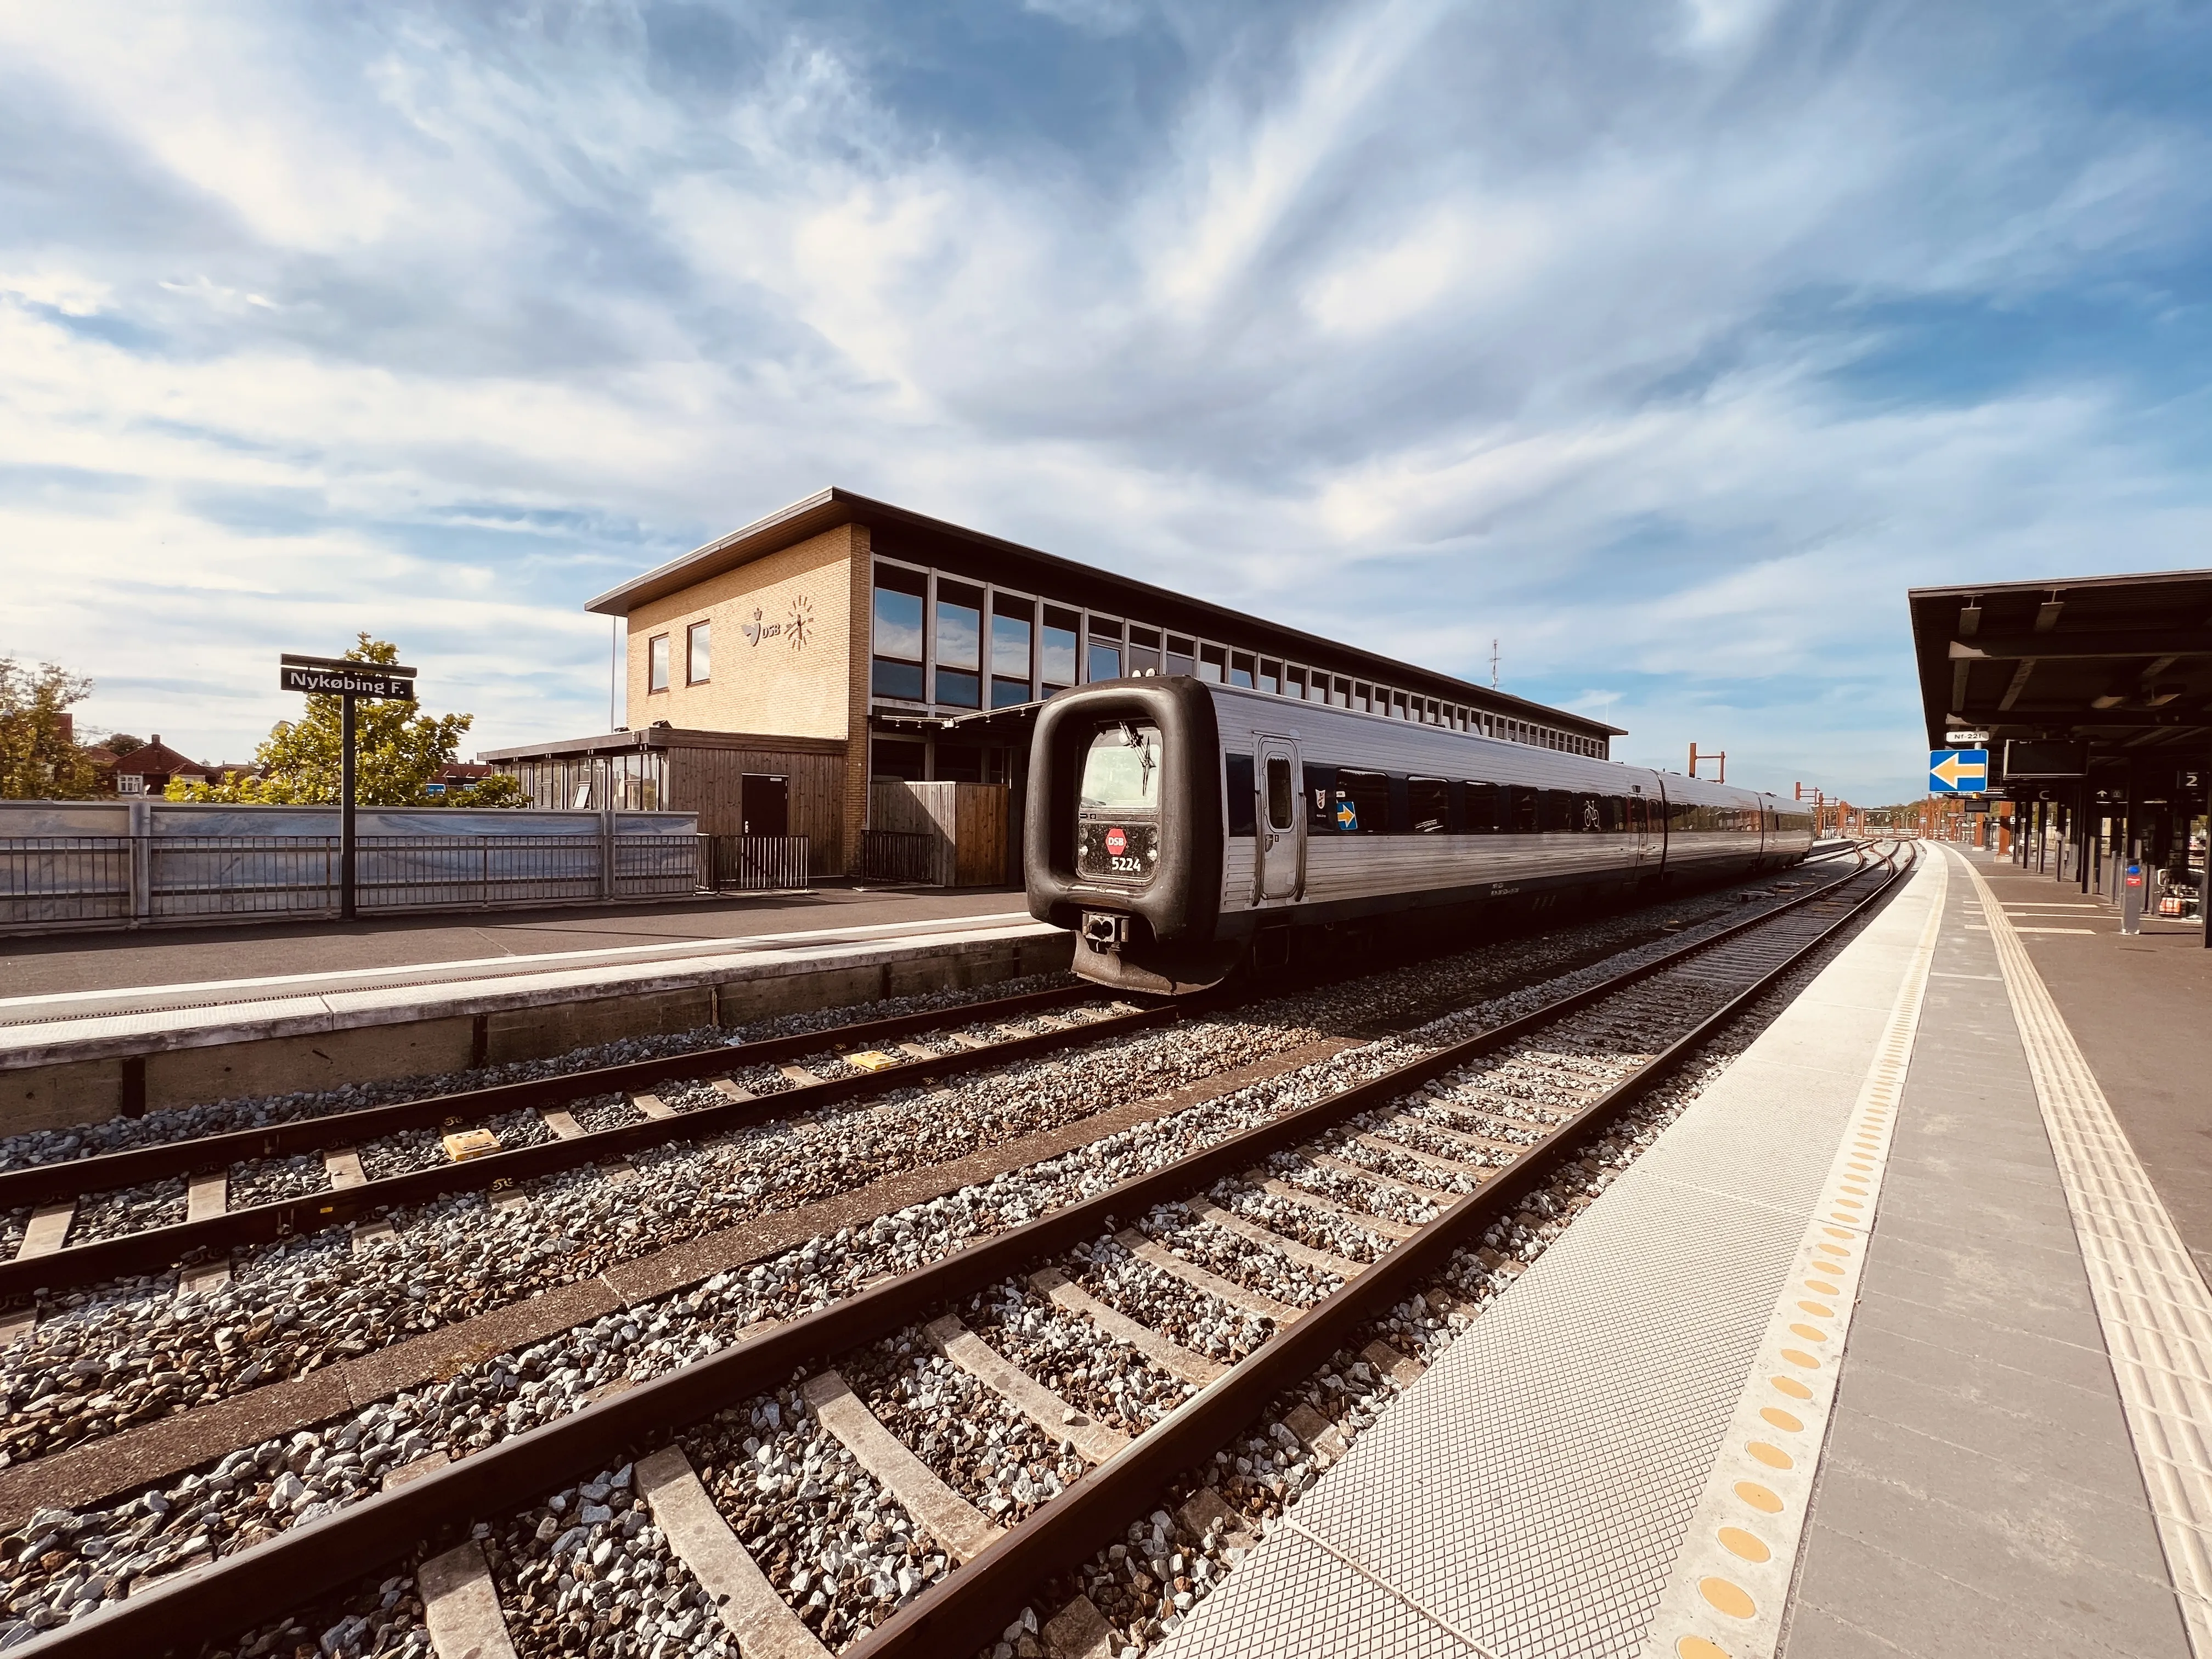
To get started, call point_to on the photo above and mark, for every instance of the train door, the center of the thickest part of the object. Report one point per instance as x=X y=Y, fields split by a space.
x=1647 y=820
x=1282 y=825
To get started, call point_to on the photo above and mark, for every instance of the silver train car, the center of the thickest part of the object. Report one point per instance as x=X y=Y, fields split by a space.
x=1185 y=830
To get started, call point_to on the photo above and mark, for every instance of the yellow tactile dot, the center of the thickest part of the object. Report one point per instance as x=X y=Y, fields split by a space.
x=1825 y=1290
x=1782 y=1419
x=1847 y=1187
x=1759 y=1497
x=1835 y=1232
x=1727 y=1597
x=1738 y=1542
x=1695 y=1647
x=1841 y=1215
x=1848 y=1204
x=1817 y=1309
x=1792 y=1387
x=1810 y=1333
x=1799 y=1357
x=1773 y=1457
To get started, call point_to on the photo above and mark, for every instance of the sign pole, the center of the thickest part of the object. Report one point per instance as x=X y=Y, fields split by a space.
x=347 y=848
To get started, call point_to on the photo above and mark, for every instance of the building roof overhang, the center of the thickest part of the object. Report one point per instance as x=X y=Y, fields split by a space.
x=897 y=532
x=2121 y=663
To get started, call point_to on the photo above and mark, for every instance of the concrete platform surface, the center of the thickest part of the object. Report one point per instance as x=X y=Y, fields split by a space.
x=1887 y=1347
x=60 y=963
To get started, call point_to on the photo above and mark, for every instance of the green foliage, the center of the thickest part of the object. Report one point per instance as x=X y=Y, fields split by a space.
x=38 y=759
x=500 y=789
x=398 y=752
x=119 y=744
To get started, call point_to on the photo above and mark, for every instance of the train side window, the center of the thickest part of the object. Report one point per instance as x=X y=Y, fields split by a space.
x=1520 y=803
x=1589 y=817
x=1482 y=811
x=1428 y=802
x=1363 y=802
x=1615 y=810
x=1321 y=796
x=1281 y=803
x=1402 y=819
x=1243 y=815
x=1558 y=810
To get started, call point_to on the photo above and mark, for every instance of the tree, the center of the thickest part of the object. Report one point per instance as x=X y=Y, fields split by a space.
x=398 y=752
x=39 y=758
x=119 y=744
x=500 y=789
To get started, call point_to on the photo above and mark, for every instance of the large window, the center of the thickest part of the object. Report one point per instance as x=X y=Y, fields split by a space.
x=1428 y=802
x=1182 y=655
x=656 y=663
x=1240 y=670
x=959 y=645
x=1144 y=650
x=1010 y=653
x=896 y=669
x=1211 y=663
x=1482 y=808
x=1363 y=802
x=1105 y=662
x=698 y=654
x=1060 y=628
x=1271 y=677
x=897 y=757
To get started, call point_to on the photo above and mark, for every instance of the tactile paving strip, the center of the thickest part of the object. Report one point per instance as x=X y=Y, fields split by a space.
x=1530 y=1496
x=2151 y=1302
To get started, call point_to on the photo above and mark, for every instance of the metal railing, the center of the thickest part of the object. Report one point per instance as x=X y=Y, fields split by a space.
x=760 y=864
x=48 y=881
x=900 y=855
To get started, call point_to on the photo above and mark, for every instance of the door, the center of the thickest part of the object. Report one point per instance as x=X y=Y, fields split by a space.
x=765 y=805
x=1282 y=826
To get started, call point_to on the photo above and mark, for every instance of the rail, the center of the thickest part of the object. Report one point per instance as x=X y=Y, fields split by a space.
x=761 y=864
x=965 y=1611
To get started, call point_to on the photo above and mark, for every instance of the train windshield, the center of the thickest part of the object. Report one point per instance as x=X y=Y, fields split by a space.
x=1121 y=773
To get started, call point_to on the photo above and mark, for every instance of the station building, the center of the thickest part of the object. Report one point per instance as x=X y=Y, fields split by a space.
x=773 y=673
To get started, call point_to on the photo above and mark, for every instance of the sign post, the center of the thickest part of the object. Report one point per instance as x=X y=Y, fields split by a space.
x=2131 y=898
x=349 y=681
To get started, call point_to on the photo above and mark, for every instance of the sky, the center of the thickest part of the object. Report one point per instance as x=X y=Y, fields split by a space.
x=1666 y=345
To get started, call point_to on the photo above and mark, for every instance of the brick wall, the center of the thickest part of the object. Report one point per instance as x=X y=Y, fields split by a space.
x=794 y=681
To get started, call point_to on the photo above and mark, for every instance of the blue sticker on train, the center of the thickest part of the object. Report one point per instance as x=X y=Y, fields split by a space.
x=1347 y=816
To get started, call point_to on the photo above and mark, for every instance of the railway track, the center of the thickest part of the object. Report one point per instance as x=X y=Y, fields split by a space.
x=1358 y=1197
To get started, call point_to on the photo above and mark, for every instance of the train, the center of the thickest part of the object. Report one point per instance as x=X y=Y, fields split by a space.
x=1188 y=831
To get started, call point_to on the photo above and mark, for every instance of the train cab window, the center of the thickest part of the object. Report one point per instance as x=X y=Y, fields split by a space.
x=1182 y=655
x=1212 y=663
x=1240 y=670
x=1121 y=773
x=1271 y=677
x=1104 y=660
x=1482 y=808
x=1428 y=806
x=895 y=671
x=1057 y=658
x=1281 y=800
x=1144 y=650
x=1239 y=789
x=1363 y=803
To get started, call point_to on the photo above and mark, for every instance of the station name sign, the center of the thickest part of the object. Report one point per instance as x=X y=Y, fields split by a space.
x=338 y=678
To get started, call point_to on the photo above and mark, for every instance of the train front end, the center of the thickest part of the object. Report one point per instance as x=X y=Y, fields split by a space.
x=1122 y=838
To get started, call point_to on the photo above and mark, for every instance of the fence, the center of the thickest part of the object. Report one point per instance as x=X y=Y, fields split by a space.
x=967 y=825
x=760 y=864
x=894 y=855
x=51 y=881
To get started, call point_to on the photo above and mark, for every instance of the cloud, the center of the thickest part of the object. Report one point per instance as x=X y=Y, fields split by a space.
x=1664 y=343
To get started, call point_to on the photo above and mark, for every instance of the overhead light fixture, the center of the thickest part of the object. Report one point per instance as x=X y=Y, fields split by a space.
x=2159 y=695
x=2109 y=699
x=1970 y=617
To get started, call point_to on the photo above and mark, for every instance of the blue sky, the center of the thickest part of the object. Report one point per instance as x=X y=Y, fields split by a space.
x=1665 y=344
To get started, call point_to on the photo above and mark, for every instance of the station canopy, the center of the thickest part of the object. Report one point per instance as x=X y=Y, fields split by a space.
x=2115 y=671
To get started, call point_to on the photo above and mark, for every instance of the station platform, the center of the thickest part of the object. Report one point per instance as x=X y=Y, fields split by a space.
x=115 y=1023
x=1888 y=1345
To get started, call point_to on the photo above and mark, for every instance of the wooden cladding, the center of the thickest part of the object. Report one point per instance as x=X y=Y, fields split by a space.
x=967 y=823
x=711 y=782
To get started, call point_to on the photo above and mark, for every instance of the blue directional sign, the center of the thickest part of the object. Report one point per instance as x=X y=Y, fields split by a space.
x=1957 y=771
